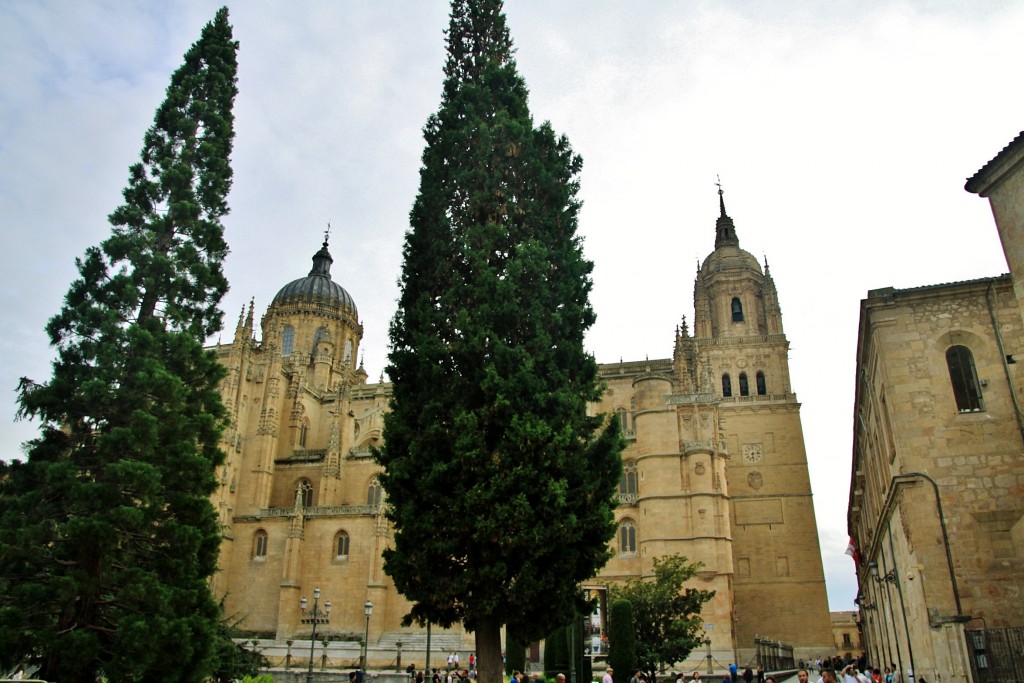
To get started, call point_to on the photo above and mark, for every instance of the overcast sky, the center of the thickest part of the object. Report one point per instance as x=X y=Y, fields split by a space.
x=843 y=133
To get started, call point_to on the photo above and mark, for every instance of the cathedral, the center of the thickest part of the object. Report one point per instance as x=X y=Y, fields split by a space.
x=714 y=469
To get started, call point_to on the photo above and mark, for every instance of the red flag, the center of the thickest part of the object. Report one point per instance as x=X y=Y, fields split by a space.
x=851 y=550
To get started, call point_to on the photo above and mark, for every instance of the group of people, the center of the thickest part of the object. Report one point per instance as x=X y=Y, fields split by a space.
x=854 y=673
x=831 y=670
x=442 y=676
x=453 y=674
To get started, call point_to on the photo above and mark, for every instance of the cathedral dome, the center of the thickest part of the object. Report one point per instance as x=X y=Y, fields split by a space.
x=727 y=254
x=318 y=289
x=729 y=257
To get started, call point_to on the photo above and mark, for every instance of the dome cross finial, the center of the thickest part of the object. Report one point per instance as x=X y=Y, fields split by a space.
x=327 y=234
x=721 y=194
x=725 y=230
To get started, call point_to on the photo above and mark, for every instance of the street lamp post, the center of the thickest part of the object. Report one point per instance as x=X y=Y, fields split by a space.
x=367 y=610
x=314 y=616
x=707 y=641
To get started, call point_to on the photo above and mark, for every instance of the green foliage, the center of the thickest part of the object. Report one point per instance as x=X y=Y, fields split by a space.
x=581 y=663
x=235 y=656
x=107 y=534
x=515 y=652
x=666 y=617
x=564 y=652
x=491 y=380
x=556 y=652
x=621 y=638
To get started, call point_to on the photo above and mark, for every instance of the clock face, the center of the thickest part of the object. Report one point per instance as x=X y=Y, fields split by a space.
x=752 y=453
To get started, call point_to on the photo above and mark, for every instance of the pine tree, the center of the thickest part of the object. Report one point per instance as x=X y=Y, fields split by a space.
x=501 y=487
x=107 y=534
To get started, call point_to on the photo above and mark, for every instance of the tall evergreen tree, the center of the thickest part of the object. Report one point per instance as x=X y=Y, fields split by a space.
x=621 y=638
x=556 y=653
x=501 y=487
x=107 y=534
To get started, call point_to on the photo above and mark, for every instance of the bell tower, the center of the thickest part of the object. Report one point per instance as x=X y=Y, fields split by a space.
x=776 y=559
x=715 y=467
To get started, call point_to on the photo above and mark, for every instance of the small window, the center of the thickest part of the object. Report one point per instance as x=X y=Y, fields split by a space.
x=744 y=386
x=374 y=493
x=623 y=419
x=762 y=387
x=341 y=546
x=259 y=545
x=287 y=340
x=303 y=432
x=737 y=310
x=964 y=378
x=347 y=358
x=726 y=385
x=627 y=537
x=304 y=493
x=628 y=483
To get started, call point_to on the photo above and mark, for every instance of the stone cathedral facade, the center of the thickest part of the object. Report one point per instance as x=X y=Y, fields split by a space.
x=715 y=469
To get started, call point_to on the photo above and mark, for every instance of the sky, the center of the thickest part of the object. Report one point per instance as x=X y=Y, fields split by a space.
x=842 y=132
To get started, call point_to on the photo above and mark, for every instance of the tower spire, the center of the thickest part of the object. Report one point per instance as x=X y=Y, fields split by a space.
x=725 y=230
x=248 y=317
x=721 y=196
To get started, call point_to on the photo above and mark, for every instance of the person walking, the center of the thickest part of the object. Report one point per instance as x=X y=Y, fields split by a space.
x=607 y=678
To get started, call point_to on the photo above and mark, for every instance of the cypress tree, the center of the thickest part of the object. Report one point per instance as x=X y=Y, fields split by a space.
x=556 y=653
x=515 y=654
x=501 y=487
x=621 y=639
x=107 y=534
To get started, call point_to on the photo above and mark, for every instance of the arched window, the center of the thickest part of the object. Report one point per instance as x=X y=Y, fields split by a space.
x=259 y=545
x=737 y=310
x=627 y=537
x=623 y=419
x=347 y=358
x=303 y=433
x=304 y=492
x=287 y=340
x=744 y=386
x=726 y=385
x=341 y=546
x=321 y=334
x=374 y=493
x=762 y=388
x=628 y=483
x=964 y=378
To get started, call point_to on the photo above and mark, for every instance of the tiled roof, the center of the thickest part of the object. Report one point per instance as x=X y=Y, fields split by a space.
x=974 y=182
